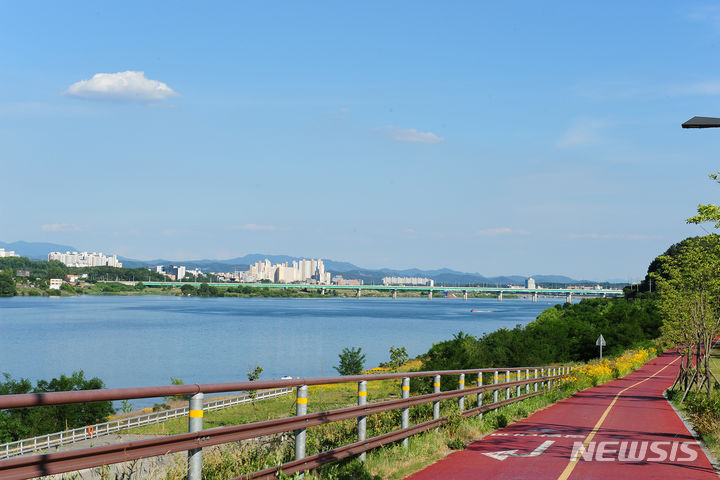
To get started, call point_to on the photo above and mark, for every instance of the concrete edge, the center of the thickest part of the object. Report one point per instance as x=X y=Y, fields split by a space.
x=713 y=461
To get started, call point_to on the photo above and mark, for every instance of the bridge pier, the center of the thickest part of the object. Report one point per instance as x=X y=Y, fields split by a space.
x=465 y=295
x=568 y=299
x=394 y=294
x=500 y=297
x=322 y=291
x=534 y=297
x=358 y=293
x=430 y=295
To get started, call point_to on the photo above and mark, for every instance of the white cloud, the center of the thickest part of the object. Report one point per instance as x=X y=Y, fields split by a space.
x=253 y=227
x=615 y=236
x=122 y=86
x=411 y=135
x=60 y=227
x=493 y=232
x=583 y=133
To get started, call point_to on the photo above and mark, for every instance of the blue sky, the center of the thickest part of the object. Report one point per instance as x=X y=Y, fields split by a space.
x=489 y=137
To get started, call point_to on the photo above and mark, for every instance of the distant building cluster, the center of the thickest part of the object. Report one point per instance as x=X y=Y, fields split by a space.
x=425 y=282
x=85 y=259
x=176 y=272
x=339 y=280
x=303 y=271
x=530 y=283
x=5 y=254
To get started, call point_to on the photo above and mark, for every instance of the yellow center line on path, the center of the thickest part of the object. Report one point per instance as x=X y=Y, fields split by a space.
x=574 y=461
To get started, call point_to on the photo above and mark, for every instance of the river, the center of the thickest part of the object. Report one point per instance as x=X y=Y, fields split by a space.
x=144 y=340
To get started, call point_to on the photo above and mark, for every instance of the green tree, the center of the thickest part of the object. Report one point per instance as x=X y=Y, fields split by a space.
x=709 y=212
x=253 y=375
x=7 y=285
x=188 y=289
x=689 y=298
x=352 y=361
x=19 y=423
x=398 y=356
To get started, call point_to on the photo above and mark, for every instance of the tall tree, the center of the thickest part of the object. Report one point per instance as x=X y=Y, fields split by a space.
x=689 y=299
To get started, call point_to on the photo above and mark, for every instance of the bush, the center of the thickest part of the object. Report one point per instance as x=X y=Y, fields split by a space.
x=352 y=361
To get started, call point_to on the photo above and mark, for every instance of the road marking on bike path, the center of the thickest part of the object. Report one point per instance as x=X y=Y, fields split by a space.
x=574 y=461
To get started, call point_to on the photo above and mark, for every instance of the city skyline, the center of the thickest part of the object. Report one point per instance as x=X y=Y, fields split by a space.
x=543 y=138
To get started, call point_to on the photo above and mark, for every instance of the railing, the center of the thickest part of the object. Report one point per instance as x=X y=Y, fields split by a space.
x=529 y=382
x=50 y=440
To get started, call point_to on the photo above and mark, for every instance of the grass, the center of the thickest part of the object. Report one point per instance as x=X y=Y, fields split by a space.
x=388 y=462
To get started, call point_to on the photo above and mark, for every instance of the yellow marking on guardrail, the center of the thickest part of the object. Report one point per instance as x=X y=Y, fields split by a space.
x=196 y=413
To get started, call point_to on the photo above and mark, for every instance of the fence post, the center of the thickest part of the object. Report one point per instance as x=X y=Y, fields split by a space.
x=535 y=375
x=406 y=410
x=300 y=433
x=195 y=424
x=507 y=380
x=480 y=394
x=527 y=377
x=461 y=386
x=517 y=389
x=496 y=379
x=436 y=403
x=362 y=421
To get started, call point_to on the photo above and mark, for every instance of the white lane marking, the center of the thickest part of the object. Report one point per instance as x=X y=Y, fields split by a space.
x=513 y=453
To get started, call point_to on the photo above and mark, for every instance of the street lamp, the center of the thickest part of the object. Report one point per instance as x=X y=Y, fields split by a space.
x=702 y=122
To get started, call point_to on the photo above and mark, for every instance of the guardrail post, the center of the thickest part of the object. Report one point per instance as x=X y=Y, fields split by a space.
x=554 y=380
x=461 y=386
x=535 y=376
x=300 y=433
x=496 y=379
x=480 y=394
x=507 y=380
x=527 y=377
x=517 y=389
x=362 y=421
x=436 y=403
x=406 y=410
x=195 y=424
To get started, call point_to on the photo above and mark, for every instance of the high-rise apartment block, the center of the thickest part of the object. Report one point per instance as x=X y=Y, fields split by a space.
x=85 y=259
x=8 y=253
x=287 y=272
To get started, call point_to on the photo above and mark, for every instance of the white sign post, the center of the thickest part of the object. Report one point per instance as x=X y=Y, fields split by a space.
x=600 y=342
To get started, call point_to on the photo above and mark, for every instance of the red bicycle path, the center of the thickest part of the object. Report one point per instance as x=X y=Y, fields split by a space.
x=607 y=420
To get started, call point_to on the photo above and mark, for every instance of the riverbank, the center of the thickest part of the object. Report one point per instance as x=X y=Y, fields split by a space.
x=126 y=289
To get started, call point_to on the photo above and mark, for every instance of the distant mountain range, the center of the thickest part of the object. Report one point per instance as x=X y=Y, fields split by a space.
x=39 y=251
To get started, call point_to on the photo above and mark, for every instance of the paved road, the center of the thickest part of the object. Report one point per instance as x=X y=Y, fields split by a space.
x=624 y=429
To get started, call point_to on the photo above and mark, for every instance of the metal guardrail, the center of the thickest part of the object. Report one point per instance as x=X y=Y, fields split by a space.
x=529 y=383
x=50 y=440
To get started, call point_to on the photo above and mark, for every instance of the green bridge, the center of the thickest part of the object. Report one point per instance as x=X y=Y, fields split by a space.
x=534 y=292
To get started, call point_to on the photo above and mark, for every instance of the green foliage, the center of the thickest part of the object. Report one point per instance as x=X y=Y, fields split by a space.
x=188 y=289
x=710 y=212
x=20 y=423
x=7 y=285
x=563 y=333
x=352 y=361
x=398 y=357
x=253 y=375
x=175 y=398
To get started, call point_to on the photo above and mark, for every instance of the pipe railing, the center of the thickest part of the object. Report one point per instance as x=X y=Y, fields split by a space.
x=196 y=439
x=66 y=437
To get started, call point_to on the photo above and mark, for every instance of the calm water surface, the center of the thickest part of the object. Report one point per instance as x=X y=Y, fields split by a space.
x=145 y=340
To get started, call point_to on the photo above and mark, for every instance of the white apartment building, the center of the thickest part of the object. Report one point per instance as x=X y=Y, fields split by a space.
x=85 y=259
x=8 y=253
x=287 y=272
